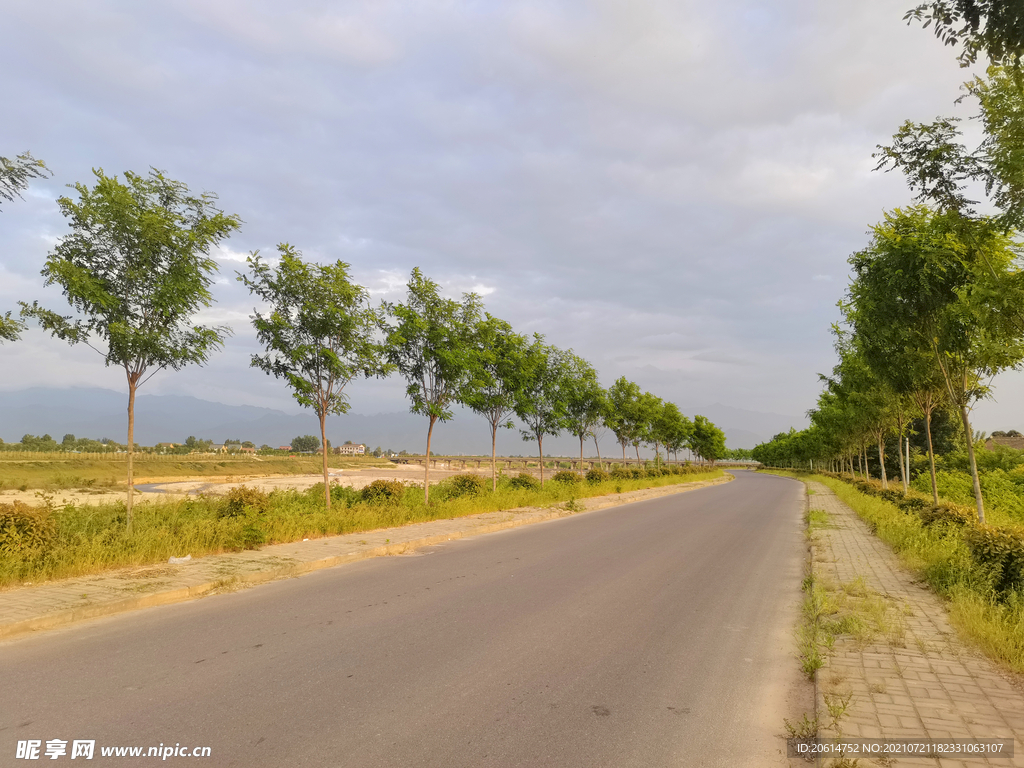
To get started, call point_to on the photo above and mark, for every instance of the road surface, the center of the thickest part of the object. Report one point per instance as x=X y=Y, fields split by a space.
x=653 y=634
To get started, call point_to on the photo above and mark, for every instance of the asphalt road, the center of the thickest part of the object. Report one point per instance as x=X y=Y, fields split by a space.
x=654 y=634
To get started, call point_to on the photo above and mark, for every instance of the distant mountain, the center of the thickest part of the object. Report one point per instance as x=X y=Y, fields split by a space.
x=98 y=413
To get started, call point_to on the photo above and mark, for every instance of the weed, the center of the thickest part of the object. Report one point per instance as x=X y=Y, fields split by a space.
x=573 y=506
x=837 y=704
x=805 y=728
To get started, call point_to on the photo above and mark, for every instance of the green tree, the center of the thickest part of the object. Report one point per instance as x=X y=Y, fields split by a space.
x=958 y=297
x=15 y=174
x=136 y=268
x=14 y=178
x=644 y=417
x=620 y=415
x=306 y=444
x=584 y=399
x=708 y=441
x=431 y=345
x=10 y=327
x=541 y=404
x=319 y=333
x=993 y=27
x=672 y=429
x=499 y=368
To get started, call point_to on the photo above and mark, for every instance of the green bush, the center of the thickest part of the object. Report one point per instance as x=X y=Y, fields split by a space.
x=23 y=528
x=383 y=492
x=460 y=486
x=596 y=476
x=1001 y=553
x=945 y=513
x=525 y=481
x=567 y=478
x=243 y=500
x=343 y=494
x=622 y=473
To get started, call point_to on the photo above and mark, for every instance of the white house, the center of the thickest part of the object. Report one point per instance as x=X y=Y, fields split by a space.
x=350 y=449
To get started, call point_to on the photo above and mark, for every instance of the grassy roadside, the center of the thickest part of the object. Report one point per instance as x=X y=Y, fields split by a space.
x=78 y=540
x=937 y=550
x=65 y=472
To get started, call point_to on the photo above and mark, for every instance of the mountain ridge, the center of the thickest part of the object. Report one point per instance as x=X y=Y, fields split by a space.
x=95 y=412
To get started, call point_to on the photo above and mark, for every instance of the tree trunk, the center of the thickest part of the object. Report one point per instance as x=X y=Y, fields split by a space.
x=931 y=455
x=864 y=461
x=598 y=447
x=494 y=457
x=637 y=447
x=623 y=454
x=540 y=449
x=323 y=447
x=904 y=471
x=974 y=464
x=133 y=384
x=426 y=464
x=907 y=489
x=581 y=452
x=881 y=462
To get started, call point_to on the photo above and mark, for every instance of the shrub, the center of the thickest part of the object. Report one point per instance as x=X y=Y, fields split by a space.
x=596 y=476
x=622 y=473
x=567 y=478
x=525 y=481
x=23 y=528
x=343 y=494
x=1000 y=552
x=945 y=513
x=383 y=492
x=459 y=486
x=242 y=501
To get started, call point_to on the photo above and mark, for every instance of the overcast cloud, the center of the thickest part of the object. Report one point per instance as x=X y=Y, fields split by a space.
x=669 y=188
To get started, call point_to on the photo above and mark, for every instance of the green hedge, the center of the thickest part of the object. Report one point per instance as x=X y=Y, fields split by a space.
x=997 y=551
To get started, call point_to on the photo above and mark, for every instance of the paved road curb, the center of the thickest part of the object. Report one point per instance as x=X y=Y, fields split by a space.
x=470 y=526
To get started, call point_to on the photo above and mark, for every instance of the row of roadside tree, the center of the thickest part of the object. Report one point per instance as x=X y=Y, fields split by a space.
x=136 y=268
x=935 y=305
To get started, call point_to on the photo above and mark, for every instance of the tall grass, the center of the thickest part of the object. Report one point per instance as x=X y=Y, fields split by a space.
x=90 y=539
x=939 y=555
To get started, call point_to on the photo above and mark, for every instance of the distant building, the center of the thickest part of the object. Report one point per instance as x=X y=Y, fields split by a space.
x=1017 y=443
x=165 y=445
x=218 y=449
x=351 y=449
x=284 y=447
x=243 y=449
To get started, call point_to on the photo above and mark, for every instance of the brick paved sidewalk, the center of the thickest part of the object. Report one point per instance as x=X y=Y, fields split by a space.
x=52 y=604
x=914 y=678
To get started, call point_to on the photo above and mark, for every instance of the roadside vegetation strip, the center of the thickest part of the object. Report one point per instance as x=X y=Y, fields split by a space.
x=978 y=569
x=38 y=544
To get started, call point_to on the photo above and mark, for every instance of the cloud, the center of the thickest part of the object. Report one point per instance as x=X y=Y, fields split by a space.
x=649 y=184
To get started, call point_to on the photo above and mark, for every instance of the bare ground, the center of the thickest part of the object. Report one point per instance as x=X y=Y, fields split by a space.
x=153 y=488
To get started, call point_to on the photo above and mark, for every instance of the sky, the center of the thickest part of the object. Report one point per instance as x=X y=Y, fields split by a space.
x=671 y=189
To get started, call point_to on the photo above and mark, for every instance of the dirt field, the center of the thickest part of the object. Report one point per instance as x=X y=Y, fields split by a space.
x=176 y=487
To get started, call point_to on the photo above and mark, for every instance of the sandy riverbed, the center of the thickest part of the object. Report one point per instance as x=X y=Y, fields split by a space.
x=157 y=488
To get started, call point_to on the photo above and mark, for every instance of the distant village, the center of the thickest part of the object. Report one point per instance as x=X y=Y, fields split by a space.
x=303 y=444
